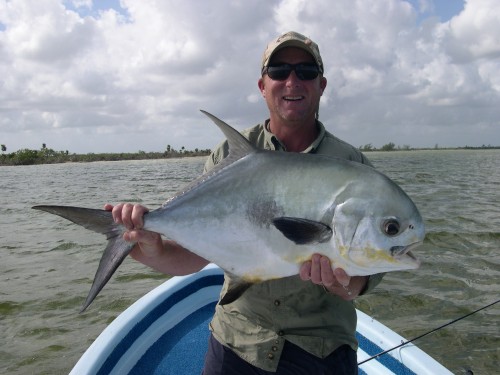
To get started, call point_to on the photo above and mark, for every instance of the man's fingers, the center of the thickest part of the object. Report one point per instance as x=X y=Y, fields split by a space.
x=342 y=277
x=316 y=269
x=305 y=271
x=319 y=271
x=126 y=216
x=327 y=276
x=117 y=212
x=138 y=212
x=141 y=236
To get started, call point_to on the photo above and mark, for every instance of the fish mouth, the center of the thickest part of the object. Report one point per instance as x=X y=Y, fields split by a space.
x=401 y=251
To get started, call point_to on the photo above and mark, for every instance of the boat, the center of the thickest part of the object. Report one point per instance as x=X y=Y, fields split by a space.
x=166 y=332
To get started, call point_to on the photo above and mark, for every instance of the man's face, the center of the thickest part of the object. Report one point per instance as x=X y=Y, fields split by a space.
x=292 y=100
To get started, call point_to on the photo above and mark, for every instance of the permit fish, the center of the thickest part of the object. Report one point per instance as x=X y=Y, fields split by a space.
x=260 y=214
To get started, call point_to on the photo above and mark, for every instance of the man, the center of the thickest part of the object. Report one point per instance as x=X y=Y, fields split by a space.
x=302 y=324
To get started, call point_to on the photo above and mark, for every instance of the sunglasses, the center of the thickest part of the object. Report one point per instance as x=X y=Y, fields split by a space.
x=305 y=72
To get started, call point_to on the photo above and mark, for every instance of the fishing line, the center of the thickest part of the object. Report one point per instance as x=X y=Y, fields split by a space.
x=427 y=333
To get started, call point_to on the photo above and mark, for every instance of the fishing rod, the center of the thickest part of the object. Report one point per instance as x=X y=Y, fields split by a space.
x=427 y=333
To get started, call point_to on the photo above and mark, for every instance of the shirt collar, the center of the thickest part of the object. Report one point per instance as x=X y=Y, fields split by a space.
x=273 y=143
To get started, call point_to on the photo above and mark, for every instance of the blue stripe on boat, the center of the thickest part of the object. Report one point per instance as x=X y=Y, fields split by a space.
x=388 y=361
x=185 y=347
x=154 y=315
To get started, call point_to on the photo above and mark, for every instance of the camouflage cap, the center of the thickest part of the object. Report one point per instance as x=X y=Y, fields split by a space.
x=292 y=39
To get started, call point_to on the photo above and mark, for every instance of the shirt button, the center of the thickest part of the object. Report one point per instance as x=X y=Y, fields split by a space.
x=274 y=348
x=270 y=355
x=281 y=333
x=277 y=302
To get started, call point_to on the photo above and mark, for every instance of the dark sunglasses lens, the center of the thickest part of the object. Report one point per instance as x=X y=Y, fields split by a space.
x=281 y=72
x=306 y=72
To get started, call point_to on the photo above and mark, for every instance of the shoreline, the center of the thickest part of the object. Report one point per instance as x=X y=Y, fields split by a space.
x=48 y=156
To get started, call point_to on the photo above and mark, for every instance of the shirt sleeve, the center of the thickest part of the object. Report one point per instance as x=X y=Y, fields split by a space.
x=220 y=152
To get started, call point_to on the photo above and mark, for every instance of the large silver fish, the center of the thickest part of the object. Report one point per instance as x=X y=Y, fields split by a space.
x=260 y=214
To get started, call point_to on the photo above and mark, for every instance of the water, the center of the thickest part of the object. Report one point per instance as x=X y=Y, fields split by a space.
x=47 y=263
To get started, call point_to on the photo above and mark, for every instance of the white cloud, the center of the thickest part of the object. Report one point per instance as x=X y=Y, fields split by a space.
x=133 y=78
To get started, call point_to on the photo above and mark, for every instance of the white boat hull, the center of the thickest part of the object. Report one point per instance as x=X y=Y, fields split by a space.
x=166 y=332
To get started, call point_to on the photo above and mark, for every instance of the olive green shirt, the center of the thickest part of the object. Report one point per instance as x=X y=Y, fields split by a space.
x=256 y=325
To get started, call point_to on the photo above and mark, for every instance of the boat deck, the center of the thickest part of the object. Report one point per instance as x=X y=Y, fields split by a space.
x=166 y=332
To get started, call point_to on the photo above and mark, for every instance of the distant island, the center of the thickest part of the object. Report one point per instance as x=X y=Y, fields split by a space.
x=48 y=156
x=392 y=147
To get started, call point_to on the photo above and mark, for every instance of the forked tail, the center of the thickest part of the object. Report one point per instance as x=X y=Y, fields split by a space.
x=99 y=221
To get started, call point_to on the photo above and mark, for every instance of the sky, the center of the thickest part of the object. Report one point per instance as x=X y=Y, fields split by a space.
x=126 y=76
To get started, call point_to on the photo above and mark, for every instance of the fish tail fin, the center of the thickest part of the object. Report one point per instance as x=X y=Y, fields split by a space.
x=99 y=221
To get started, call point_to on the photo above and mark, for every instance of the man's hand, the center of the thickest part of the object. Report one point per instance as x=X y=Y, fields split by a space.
x=131 y=216
x=336 y=281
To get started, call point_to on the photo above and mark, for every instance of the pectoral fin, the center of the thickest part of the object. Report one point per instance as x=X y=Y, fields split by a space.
x=303 y=231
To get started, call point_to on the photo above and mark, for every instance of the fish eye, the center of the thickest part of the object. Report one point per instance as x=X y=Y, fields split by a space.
x=391 y=227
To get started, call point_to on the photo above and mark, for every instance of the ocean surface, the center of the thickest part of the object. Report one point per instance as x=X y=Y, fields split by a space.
x=47 y=263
